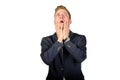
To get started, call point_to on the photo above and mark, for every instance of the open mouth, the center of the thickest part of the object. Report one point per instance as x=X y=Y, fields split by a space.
x=61 y=22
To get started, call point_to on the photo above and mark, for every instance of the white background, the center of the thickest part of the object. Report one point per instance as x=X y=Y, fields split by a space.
x=24 y=22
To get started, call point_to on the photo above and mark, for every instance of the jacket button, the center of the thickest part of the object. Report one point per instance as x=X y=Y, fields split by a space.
x=69 y=46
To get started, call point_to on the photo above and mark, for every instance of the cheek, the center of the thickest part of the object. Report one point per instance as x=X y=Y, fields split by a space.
x=55 y=21
x=57 y=18
x=66 y=20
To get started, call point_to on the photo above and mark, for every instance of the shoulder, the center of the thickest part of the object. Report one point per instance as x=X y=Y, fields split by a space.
x=48 y=39
x=81 y=36
x=79 y=39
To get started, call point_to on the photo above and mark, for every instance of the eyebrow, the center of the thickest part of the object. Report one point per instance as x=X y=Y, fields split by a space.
x=63 y=13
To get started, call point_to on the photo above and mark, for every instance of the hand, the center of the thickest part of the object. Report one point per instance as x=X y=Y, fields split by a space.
x=59 y=31
x=65 y=31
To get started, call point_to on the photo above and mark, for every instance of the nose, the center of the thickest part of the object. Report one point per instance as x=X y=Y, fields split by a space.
x=61 y=16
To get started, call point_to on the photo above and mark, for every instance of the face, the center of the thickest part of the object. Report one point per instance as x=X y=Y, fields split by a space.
x=61 y=17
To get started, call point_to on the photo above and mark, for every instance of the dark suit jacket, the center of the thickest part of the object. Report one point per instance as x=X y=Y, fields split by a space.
x=64 y=59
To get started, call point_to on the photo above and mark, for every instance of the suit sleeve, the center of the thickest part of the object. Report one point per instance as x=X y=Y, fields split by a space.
x=77 y=49
x=49 y=51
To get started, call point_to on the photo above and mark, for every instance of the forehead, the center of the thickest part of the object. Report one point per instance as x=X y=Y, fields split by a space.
x=61 y=11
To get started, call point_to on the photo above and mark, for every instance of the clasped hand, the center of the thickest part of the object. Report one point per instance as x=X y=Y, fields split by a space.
x=62 y=32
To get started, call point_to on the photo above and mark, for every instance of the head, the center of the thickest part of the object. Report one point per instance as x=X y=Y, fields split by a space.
x=62 y=15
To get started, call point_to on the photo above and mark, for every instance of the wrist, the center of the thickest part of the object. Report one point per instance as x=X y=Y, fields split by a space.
x=65 y=37
x=66 y=40
x=59 y=40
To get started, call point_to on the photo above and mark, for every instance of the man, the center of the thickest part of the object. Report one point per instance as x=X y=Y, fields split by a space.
x=64 y=50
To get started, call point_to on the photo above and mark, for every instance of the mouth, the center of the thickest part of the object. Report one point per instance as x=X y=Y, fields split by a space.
x=61 y=22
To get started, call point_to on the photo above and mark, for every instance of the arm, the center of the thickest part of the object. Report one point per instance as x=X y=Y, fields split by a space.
x=49 y=50
x=77 y=50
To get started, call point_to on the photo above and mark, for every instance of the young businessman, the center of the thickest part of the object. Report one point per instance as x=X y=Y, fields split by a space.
x=63 y=51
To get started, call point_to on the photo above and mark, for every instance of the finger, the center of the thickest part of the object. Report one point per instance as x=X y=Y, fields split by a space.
x=61 y=26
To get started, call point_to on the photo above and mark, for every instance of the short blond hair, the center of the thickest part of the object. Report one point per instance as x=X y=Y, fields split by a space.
x=62 y=7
